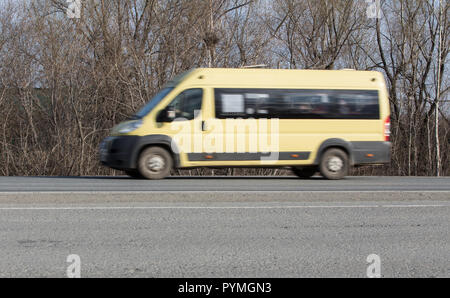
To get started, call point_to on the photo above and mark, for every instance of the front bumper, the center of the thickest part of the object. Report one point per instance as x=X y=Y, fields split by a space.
x=119 y=152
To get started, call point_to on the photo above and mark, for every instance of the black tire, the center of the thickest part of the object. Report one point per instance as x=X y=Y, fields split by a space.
x=304 y=172
x=334 y=164
x=155 y=163
x=133 y=174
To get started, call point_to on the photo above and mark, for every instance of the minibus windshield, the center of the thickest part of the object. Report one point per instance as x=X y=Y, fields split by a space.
x=152 y=103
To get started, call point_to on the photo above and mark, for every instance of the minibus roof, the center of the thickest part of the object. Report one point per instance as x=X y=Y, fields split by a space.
x=278 y=78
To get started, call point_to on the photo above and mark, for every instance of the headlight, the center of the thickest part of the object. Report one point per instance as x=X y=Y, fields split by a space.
x=130 y=126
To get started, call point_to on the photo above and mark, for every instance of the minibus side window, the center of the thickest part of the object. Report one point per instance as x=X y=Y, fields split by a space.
x=297 y=103
x=355 y=104
x=187 y=103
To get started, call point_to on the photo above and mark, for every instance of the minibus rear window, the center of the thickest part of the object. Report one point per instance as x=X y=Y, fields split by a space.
x=297 y=103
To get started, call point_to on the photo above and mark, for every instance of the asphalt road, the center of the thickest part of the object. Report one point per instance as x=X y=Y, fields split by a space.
x=49 y=184
x=125 y=235
x=239 y=240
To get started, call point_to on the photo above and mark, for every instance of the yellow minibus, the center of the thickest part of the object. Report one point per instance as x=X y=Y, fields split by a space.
x=311 y=121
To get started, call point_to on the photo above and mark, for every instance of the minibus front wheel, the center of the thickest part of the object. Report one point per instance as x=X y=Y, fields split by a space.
x=155 y=163
x=334 y=164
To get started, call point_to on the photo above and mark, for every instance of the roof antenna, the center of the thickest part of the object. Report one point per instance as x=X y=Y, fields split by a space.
x=255 y=66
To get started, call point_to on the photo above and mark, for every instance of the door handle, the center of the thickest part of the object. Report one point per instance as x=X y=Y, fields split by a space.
x=203 y=125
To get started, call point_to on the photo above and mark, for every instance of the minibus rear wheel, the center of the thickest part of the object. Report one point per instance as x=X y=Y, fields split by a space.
x=304 y=172
x=334 y=164
x=155 y=163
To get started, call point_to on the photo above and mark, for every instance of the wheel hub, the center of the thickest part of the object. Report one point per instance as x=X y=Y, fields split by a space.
x=155 y=163
x=335 y=164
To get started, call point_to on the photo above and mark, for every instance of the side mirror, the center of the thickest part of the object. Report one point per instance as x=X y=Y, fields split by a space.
x=166 y=115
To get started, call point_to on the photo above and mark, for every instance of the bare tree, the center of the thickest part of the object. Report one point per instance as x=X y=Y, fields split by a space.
x=65 y=82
